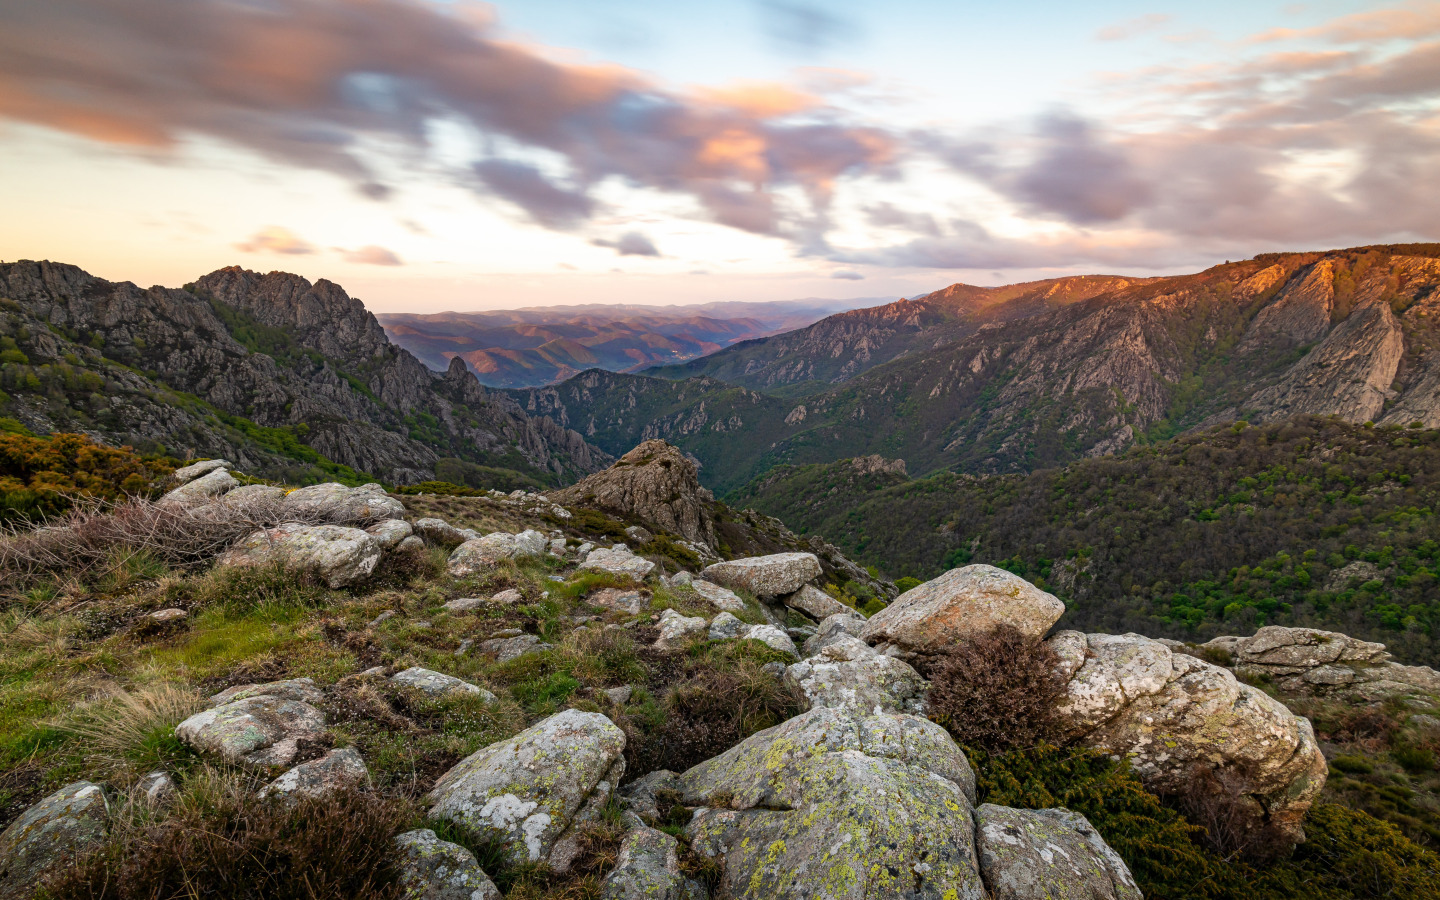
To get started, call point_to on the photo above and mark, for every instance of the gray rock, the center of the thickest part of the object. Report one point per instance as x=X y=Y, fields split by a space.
x=725 y=626
x=772 y=637
x=381 y=619
x=337 y=770
x=766 y=576
x=639 y=535
x=1048 y=853
x=411 y=544
x=437 y=684
x=962 y=602
x=155 y=789
x=390 y=533
x=531 y=543
x=203 y=489
x=618 y=560
x=50 y=835
x=832 y=628
x=584 y=548
x=849 y=675
x=337 y=554
x=619 y=695
x=628 y=602
x=508 y=648
x=639 y=797
x=816 y=603
x=648 y=868
x=432 y=869
x=167 y=615
x=439 y=532
x=717 y=596
x=775 y=669
x=187 y=474
x=676 y=630
x=363 y=505
x=255 y=494
x=465 y=604
x=529 y=791
x=557 y=546
x=256 y=725
x=481 y=554
x=832 y=805
x=683 y=577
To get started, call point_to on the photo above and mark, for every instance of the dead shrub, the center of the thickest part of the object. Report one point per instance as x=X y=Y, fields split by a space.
x=1235 y=824
x=226 y=845
x=996 y=691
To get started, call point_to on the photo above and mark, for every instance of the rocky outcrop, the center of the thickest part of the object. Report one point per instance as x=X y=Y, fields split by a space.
x=437 y=684
x=654 y=483
x=617 y=560
x=257 y=725
x=1307 y=661
x=527 y=792
x=338 y=555
x=962 y=602
x=846 y=673
x=1172 y=714
x=1054 y=854
x=432 y=869
x=766 y=576
x=50 y=835
x=648 y=868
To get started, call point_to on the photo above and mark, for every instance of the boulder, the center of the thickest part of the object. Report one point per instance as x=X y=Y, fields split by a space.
x=337 y=770
x=1171 y=713
x=247 y=494
x=628 y=602
x=832 y=628
x=1054 y=854
x=432 y=869
x=676 y=630
x=717 y=596
x=844 y=807
x=260 y=726
x=50 y=835
x=207 y=487
x=187 y=474
x=849 y=675
x=726 y=627
x=439 y=532
x=390 y=533
x=481 y=554
x=815 y=603
x=531 y=543
x=639 y=535
x=971 y=600
x=339 y=504
x=508 y=648
x=526 y=793
x=648 y=868
x=618 y=560
x=765 y=576
x=654 y=483
x=339 y=555
x=772 y=637
x=439 y=685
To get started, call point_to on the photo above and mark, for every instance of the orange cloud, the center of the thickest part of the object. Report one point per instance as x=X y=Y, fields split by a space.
x=275 y=239
x=760 y=99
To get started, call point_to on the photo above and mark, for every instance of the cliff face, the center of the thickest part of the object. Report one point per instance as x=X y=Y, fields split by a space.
x=272 y=350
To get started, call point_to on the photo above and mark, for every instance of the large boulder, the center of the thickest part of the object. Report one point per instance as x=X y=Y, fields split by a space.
x=617 y=560
x=830 y=804
x=1054 y=854
x=256 y=725
x=1308 y=661
x=390 y=533
x=440 y=532
x=187 y=474
x=527 y=793
x=339 y=555
x=50 y=835
x=648 y=868
x=432 y=869
x=766 y=576
x=1172 y=714
x=207 y=487
x=963 y=602
x=655 y=483
x=815 y=603
x=848 y=674
x=343 y=505
x=721 y=598
x=338 y=770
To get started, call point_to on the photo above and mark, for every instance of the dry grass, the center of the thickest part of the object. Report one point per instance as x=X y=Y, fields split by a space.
x=130 y=730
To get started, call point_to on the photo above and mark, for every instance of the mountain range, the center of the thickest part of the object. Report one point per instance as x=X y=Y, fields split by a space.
x=543 y=345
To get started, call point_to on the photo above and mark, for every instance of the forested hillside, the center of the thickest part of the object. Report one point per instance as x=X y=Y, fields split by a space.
x=1310 y=521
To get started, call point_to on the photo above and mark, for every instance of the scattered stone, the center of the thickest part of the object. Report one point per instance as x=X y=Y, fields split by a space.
x=438 y=685
x=339 y=555
x=639 y=535
x=187 y=474
x=260 y=726
x=365 y=504
x=432 y=869
x=775 y=669
x=1056 y=854
x=815 y=603
x=618 y=560
x=717 y=596
x=439 y=532
x=557 y=546
x=529 y=791
x=156 y=789
x=676 y=630
x=337 y=770
x=207 y=487
x=773 y=638
x=464 y=647
x=464 y=604
x=848 y=674
x=390 y=533
x=619 y=695
x=628 y=602
x=531 y=543
x=508 y=648
x=381 y=619
x=683 y=577
x=51 y=834
x=509 y=595
x=648 y=868
x=411 y=544
x=962 y=602
x=584 y=549
x=168 y=615
x=725 y=627
x=832 y=628
x=765 y=576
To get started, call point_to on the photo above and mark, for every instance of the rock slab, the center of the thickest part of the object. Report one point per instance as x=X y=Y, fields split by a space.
x=765 y=576
x=1055 y=854
x=432 y=869
x=49 y=835
x=971 y=600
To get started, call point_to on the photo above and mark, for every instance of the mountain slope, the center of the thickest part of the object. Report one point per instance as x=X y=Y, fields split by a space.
x=1349 y=333
x=268 y=370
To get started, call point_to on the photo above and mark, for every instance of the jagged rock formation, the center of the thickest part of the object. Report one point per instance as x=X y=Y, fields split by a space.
x=654 y=483
x=1307 y=661
x=248 y=349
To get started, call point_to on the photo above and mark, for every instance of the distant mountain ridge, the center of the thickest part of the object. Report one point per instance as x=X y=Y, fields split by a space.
x=544 y=345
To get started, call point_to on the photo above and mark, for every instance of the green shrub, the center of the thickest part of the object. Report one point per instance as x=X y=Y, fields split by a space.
x=1414 y=759
x=1352 y=765
x=906 y=583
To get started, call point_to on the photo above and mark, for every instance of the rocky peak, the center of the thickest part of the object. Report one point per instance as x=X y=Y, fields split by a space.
x=655 y=483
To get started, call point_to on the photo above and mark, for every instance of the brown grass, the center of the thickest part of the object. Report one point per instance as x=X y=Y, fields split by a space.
x=997 y=691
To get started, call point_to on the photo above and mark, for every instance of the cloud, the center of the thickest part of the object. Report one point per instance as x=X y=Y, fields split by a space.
x=275 y=239
x=1133 y=27
x=631 y=243
x=847 y=275
x=803 y=28
x=372 y=255
x=1410 y=21
x=319 y=83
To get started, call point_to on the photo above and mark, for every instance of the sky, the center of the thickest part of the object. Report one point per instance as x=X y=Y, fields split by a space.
x=436 y=156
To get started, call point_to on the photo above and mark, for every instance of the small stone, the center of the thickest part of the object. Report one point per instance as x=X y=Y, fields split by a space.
x=677 y=630
x=464 y=604
x=156 y=789
x=773 y=638
x=725 y=627
x=432 y=869
x=628 y=602
x=619 y=695
x=639 y=535
x=439 y=685
x=390 y=533
x=464 y=647
x=682 y=577
x=557 y=546
x=168 y=615
x=509 y=595
x=506 y=649
x=381 y=619
x=411 y=544
x=777 y=669
x=337 y=770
